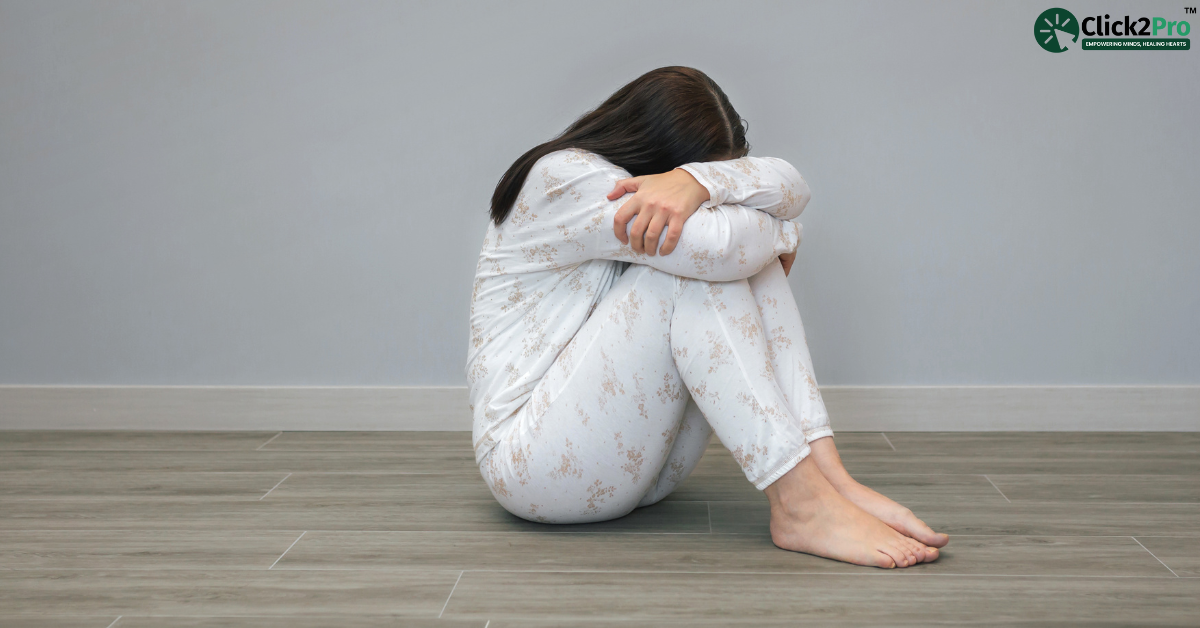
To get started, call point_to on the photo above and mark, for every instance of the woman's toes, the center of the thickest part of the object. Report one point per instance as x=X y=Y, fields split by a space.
x=924 y=554
x=895 y=554
x=907 y=545
x=917 y=550
x=937 y=539
x=904 y=558
x=884 y=561
x=920 y=531
x=931 y=554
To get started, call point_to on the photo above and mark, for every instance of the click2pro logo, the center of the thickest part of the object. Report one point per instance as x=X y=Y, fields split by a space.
x=1057 y=30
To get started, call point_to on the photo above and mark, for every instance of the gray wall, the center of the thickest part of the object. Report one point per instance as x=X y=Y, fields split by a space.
x=275 y=193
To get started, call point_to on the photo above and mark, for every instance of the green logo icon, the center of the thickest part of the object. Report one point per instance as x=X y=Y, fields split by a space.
x=1055 y=29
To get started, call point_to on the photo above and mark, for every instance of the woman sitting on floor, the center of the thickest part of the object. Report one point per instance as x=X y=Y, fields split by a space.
x=631 y=299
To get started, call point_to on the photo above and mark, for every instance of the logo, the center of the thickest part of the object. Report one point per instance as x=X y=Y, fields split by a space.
x=1056 y=29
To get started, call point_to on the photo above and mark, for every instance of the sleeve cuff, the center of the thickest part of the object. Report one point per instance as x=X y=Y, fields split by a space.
x=789 y=237
x=715 y=196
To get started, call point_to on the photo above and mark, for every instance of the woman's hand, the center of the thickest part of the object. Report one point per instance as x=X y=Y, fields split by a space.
x=659 y=201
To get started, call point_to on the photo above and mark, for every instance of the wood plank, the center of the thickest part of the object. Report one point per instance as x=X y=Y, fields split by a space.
x=295 y=621
x=236 y=621
x=1020 y=519
x=419 y=459
x=435 y=487
x=55 y=621
x=1017 y=555
x=127 y=440
x=142 y=549
x=1048 y=463
x=336 y=513
x=1113 y=487
x=705 y=486
x=210 y=485
x=1180 y=554
x=409 y=459
x=879 y=598
x=1032 y=444
x=368 y=441
x=198 y=592
x=659 y=622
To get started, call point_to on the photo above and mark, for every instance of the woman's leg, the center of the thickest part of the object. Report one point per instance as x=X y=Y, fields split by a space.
x=691 y=441
x=597 y=433
x=738 y=368
x=600 y=426
x=793 y=369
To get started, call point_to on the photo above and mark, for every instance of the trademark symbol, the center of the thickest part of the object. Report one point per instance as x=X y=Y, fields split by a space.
x=1189 y=9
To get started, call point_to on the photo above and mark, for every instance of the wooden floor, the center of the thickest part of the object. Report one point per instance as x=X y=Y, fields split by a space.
x=397 y=529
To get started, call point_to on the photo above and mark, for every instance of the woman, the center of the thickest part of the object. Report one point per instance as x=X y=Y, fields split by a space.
x=602 y=359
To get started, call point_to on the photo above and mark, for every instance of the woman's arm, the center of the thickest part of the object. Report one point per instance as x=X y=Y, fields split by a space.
x=767 y=184
x=720 y=243
x=665 y=201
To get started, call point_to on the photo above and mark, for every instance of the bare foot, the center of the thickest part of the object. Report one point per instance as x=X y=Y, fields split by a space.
x=898 y=517
x=808 y=515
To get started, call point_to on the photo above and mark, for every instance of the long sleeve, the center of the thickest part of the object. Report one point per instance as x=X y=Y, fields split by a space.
x=767 y=184
x=720 y=243
x=563 y=217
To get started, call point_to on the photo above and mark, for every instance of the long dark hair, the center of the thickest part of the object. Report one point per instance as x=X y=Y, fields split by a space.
x=659 y=121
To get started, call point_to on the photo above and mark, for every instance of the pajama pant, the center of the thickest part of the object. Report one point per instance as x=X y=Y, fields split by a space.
x=627 y=409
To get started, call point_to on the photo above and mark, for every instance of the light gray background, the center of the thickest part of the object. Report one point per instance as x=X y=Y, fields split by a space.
x=294 y=193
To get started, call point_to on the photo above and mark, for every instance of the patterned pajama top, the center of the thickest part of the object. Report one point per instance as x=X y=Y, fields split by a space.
x=544 y=269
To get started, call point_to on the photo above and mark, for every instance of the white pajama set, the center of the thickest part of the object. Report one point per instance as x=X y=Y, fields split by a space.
x=597 y=374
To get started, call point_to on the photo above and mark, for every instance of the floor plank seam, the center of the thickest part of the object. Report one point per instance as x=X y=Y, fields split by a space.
x=1155 y=557
x=289 y=548
x=460 y=575
x=259 y=448
x=997 y=489
x=275 y=487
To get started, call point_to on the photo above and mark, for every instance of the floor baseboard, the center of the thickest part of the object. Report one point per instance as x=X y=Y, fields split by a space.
x=421 y=408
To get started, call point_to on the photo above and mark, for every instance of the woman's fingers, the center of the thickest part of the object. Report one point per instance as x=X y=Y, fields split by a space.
x=654 y=231
x=623 y=187
x=674 y=230
x=648 y=223
x=637 y=232
x=660 y=202
x=624 y=215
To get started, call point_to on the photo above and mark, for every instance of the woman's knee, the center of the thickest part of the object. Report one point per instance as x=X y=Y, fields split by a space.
x=770 y=280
